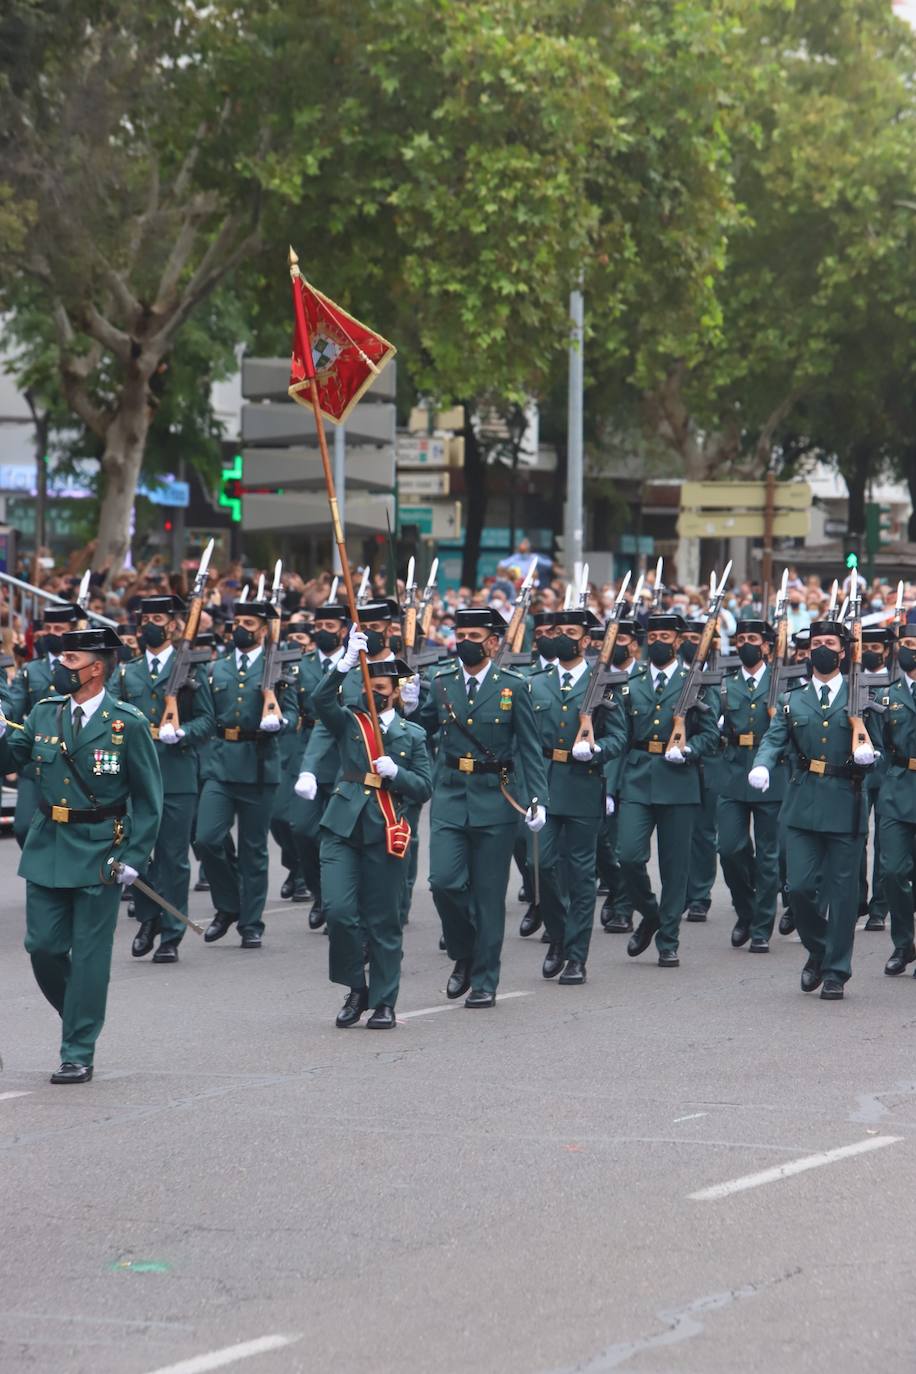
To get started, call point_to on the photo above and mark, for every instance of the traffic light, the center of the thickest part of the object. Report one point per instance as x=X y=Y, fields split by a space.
x=230 y=489
x=852 y=561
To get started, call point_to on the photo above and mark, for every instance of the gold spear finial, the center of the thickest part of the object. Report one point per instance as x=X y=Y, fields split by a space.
x=293 y=262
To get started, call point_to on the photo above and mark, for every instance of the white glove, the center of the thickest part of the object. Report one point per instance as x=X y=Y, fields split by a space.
x=385 y=767
x=674 y=755
x=864 y=755
x=306 y=786
x=271 y=724
x=410 y=694
x=537 y=821
x=126 y=875
x=583 y=752
x=609 y=807
x=759 y=778
x=169 y=735
x=2 y=723
x=350 y=657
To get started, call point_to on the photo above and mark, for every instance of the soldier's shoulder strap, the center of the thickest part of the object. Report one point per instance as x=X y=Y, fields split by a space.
x=126 y=709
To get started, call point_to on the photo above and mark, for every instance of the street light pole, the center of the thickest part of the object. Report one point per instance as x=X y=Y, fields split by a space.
x=574 y=443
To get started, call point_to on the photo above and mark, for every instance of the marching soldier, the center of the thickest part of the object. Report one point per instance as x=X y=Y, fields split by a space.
x=243 y=776
x=365 y=838
x=99 y=798
x=824 y=811
x=897 y=817
x=488 y=748
x=575 y=779
x=660 y=789
x=616 y=914
x=143 y=684
x=702 y=873
x=876 y=642
x=297 y=634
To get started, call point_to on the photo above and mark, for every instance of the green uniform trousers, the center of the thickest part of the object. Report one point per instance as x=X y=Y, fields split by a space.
x=409 y=878
x=169 y=871
x=619 y=907
x=823 y=872
x=361 y=891
x=751 y=868
x=701 y=876
x=305 y=819
x=898 y=856
x=674 y=826
x=468 y=875
x=878 y=906
x=567 y=863
x=69 y=935
x=238 y=881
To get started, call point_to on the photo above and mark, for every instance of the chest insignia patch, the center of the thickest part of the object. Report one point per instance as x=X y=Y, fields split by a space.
x=103 y=761
x=505 y=699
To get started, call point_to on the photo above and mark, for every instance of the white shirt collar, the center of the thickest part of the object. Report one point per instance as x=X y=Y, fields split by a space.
x=576 y=672
x=755 y=673
x=89 y=707
x=250 y=653
x=160 y=657
x=669 y=670
x=330 y=658
x=547 y=663
x=386 y=717
x=833 y=685
x=479 y=678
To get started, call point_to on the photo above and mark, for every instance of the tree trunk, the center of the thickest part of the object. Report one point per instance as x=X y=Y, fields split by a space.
x=856 y=471
x=909 y=460
x=122 y=460
x=475 y=490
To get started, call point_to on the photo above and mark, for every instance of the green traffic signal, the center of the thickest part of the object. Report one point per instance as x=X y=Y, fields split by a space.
x=852 y=560
x=229 y=483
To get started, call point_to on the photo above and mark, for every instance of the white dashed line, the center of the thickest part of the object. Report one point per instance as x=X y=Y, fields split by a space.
x=453 y=1006
x=694 y=1116
x=230 y=1354
x=6 y=1097
x=795 y=1166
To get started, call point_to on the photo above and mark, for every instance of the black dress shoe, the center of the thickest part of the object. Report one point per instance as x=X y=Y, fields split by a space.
x=286 y=891
x=131 y=907
x=72 y=1073
x=480 y=999
x=811 y=976
x=832 y=991
x=573 y=973
x=603 y=889
x=531 y=921
x=619 y=924
x=524 y=896
x=740 y=935
x=696 y=912
x=898 y=961
x=874 y=922
x=667 y=958
x=357 y=1002
x=300 y=890
x=167 y=953
x=460 y=979
x=219 y=925
x=605 y=913
x=442 y=944
x=642 y=936
x=251 y=940
x=553 y=960
x=760 y=945
x=317 y=917
x=382 y=1018
x=786 y=923
x=145 y=938
x=201 y=885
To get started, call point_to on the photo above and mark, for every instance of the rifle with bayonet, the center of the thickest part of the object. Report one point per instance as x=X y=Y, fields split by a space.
x=275 y=658
x=186 y=657
x=601 y=676
x=82 y=601
x=860 y=683
x=415 y=658
x=782 y=674
x=697 y=680
x=658 y=586
x=510 y=649
x=894 y=671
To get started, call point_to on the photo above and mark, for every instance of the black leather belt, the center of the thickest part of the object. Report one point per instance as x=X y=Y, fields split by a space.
x=466 y=765
x=743 y=739
x=822 y=769
x=649 y=746
x=235 y=735
x=902 y=761
x=68 y=815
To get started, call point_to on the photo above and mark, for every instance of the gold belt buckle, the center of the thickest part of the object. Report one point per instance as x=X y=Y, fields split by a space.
x=154 y=731
x=466 y=765
x=560 y=755
x=911 y=765
x=61 y=814
x=231 y=732
x=817 y=766
x=746 y=741
x=372 y=780
x=656 y=746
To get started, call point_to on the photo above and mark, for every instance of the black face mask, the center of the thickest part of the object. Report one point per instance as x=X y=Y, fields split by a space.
x=567 y=648
x=471 y=653
x=750 y=654
x=66 y=680
x=824 y=660
x=382 y=703
x=660 y=654
x=375 y=642
x=48 y=644
x=395 y=644
x=689 y=650
x=872 y=660
x=620 y=655
x=907 y=659
x=152 y=636
x=125 y=653
x=242 y=638
x=547 y=648
x=327 y=640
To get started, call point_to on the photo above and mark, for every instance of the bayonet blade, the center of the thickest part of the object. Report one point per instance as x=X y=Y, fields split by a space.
x=332 y=594
x=260 y=595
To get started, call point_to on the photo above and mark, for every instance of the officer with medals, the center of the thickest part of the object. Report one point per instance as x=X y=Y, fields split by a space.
x=31 y=683
x=365 y=836
x=824 y=811
x=143 y=683
x=488 y=745
x=99 y=799
x=897 y=817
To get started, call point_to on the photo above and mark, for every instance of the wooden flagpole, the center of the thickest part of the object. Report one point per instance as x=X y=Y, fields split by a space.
x=305 y=348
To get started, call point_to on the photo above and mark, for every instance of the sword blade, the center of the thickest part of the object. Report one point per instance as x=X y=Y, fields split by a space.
x=160 y=901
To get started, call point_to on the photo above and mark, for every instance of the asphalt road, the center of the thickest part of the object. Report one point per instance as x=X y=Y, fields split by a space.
x=244 y=1186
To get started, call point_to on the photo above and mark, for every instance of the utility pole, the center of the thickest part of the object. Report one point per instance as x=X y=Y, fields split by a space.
x=573 y=537
x=766 y=571
x=340 y=482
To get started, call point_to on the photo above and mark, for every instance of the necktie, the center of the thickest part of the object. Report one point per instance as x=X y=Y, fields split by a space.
x=77 y=721
x=243 y=663
x=660 y=684
x=567 y=681
x=154 y=667
x=751 y=685
x=326 y=667
x=472 y=692
x=825 y=696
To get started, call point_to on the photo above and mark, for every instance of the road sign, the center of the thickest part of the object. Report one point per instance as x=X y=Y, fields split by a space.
x=743 y=496
x=695 y=524
x=303 y=512
x=735 y=510
x=414 y=486
x=636 y=544
x=422 y=450
x=435 y=520
x=366 y=467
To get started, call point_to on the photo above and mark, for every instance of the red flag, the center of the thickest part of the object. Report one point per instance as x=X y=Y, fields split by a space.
x=346 y=356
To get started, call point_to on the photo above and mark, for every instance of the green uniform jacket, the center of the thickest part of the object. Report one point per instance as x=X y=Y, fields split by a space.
x=801 y=728
x=320 y=755
x=352 y=808
x=648 y=778
x=238 y=704
x=115 y=739
x=898 y=787
x=746 y=715
x=576 y=789
x=30 y=684
x=503 y=721
x=131 y=682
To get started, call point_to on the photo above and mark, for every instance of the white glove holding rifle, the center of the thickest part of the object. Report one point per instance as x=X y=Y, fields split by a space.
x=356 y=644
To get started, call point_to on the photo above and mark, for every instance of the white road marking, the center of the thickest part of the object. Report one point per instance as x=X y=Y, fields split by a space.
x=453 y=1006
x=5 y=1097
x=795 y=1166
x=218 y=1359
x=694 y=1116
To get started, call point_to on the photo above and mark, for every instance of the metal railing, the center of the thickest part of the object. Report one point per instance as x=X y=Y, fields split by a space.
x=30 y=596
